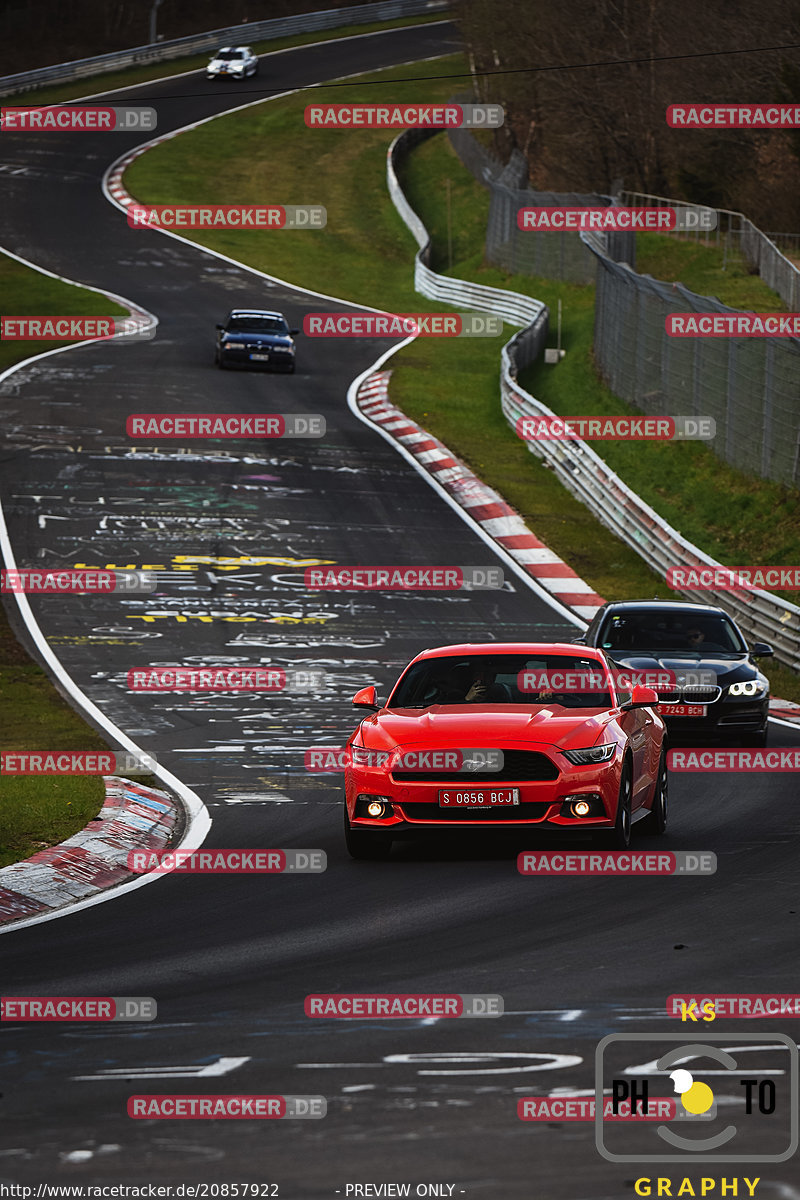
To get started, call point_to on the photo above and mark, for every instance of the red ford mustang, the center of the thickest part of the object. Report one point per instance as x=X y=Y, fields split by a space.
x=505 y=735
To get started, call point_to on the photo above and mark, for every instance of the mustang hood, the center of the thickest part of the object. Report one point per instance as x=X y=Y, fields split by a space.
x=477 y=725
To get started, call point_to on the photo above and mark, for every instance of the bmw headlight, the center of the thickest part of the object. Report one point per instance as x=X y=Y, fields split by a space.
x=592 y=754
x=747 y=687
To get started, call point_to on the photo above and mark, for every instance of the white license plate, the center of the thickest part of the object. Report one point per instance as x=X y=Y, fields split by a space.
x=682 y=710
x=478 y=797
x=259 y=357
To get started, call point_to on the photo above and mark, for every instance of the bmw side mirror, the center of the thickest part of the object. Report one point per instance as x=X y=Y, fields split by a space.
x=579 y=641
x=761 y=650
x=366 y=698
x=294 y=331
x=642 y=697
x=219 y=326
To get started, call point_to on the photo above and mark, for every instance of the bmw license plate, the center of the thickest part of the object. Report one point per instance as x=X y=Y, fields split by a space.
x=478 y=797
x=682 y=710
x=259 y=357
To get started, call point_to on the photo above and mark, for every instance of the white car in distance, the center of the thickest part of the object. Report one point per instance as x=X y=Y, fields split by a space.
x=236 y=61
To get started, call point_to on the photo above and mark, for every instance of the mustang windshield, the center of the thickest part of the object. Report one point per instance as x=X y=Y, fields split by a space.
x=571 y=682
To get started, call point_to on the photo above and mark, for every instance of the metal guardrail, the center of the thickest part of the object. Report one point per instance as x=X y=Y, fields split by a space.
x=255 y=31
x=762 y=616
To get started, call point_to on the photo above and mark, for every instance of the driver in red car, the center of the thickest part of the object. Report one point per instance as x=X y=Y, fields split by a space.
x=472 y=683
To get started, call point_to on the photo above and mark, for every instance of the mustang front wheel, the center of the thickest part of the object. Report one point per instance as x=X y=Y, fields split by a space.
x=619 y=838
x=656 y=822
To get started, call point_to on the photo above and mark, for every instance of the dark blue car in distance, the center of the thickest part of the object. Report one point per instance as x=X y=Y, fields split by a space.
x=687 y=640
x=255 y=338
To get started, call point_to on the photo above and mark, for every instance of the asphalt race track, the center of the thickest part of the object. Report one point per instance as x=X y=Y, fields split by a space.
x=231 y=958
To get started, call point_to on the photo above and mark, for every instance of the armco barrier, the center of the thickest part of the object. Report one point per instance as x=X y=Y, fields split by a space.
x=237 y=35
x=762 y=616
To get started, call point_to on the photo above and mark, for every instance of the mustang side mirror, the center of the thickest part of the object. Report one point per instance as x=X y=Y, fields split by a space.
x=366 y=698
x=761 y=650
x=642 y=697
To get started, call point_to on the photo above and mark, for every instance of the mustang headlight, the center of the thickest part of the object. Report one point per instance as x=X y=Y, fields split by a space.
x=747 y=687
x=592 y=754
x=362 y=757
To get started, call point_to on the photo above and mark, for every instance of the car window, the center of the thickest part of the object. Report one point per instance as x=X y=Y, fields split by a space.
x=565 y=680
x=664 y=631
x=227 y=55
x=257 y=325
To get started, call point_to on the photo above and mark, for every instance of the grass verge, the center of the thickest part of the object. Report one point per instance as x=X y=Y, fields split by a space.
x=40 y=811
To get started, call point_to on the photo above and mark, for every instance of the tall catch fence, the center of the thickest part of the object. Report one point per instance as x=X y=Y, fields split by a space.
x=749 y=385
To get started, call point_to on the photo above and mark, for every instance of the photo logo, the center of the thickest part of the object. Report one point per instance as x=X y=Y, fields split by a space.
x=227 y=216
x=761 y=1072
x=379 y=325
x=404 y=116
x=73 y=118
x=612 y=219
x=616 y=429
x=403 y=579
x=225 y=425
